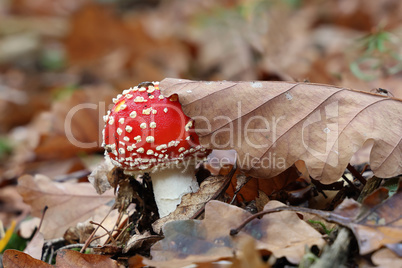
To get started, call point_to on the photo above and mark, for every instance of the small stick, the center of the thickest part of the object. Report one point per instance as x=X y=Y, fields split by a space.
x=89 y=240
x=356 y=174
x=110 y=235
x=72 y=246
x=351 y=184
x=41 y=219
x=328 y=216
x=51 y=255
x=239 y=187
x=220 y=191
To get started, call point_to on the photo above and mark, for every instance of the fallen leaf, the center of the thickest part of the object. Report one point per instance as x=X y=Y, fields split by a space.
x=15 y=259
x=250 y=190
x=374 y=225
x=141 y=241
x=11 y=205
x=193 y=202
x=386 y=258
x=272 y=125
x=68 y=203
x=122 y=47
x=136 y=261
x=79 y=233
x=70 y=258
x=98 y=177
x=195 y=241
x=249 y=256
x=75 y=124
x=34 y=247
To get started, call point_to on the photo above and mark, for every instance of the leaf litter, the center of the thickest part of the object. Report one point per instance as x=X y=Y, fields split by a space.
x=318 y=42
x=294 y=113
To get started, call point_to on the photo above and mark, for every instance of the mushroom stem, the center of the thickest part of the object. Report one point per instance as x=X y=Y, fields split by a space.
x=170 y=184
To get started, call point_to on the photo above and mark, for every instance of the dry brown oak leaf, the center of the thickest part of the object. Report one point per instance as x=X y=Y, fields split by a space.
x=202 y=241
x=68 y=203
x=65 y=259
x=271 y=125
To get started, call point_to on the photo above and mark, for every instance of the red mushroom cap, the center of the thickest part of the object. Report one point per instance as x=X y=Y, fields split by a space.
x=144 y=129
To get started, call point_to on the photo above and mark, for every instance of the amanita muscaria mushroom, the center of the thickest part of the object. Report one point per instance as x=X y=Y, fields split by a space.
x=147 y=132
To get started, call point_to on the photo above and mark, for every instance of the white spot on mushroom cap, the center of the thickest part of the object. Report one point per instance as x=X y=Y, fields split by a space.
x=160 y=147
x=121 y=120
x=129 y=128
x=139 y=99
x=150 y=152
x=126 y=138
x=142 y=89
x=143 y=125
x=147 y=111
x=161 y=97
x=188 y=125
x=111 y=120
x=133 y=114
x=173 y=143
x=119 y=131
x=105 y=118
x=140 y=150
x=149 y=139
x=152 y=125
x=137 y=138
x=165 y=110
x=121 y=151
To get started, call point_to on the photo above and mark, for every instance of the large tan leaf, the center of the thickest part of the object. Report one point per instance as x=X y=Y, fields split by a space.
x=14 y=259
x=68 y=203
x=200 y=241
x=271 y=125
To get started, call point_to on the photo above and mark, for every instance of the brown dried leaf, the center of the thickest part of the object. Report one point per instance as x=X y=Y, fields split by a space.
x=195 y=241
x=34 y=247
x=271 y=125
x=136 y=261
x=193 y=202
x=374 y=225
x=141 y=241
x=386 y=258
x=122 y=47
x=249 y=257
x=75 y=124
x=68 y=203
x=15 y=259
x=70 y=258
x=250 y=191
x=99 y=176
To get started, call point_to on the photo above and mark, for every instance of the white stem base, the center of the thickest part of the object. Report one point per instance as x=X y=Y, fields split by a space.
x=170 y=185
